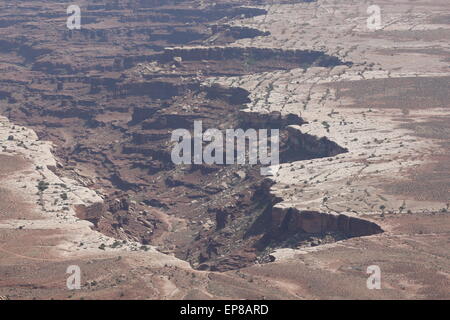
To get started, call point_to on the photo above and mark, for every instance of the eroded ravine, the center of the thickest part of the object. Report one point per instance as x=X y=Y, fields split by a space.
x=112 y=128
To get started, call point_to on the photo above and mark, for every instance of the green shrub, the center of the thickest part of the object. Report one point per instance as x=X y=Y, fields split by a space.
x=42 y=185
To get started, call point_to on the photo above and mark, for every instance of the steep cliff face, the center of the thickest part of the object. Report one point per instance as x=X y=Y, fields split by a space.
x=91 y=213
x=223 y=33
x=312 y=222
x=296 y=58
x=273 y=119
x=306 y=144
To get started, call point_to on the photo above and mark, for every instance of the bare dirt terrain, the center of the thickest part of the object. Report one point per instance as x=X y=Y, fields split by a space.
x=85 y=151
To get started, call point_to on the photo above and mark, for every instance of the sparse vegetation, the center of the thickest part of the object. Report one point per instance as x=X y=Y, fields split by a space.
x=42 y=185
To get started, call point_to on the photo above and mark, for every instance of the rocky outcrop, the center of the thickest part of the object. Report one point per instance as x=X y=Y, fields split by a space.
x=297 y=57
x=235 y=96
x=92 y=212
x=301 y=144
x=313 y=222
x=237 y=32
x=274 y=119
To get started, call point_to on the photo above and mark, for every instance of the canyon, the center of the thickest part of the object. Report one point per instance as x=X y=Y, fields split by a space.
x=88 y=179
